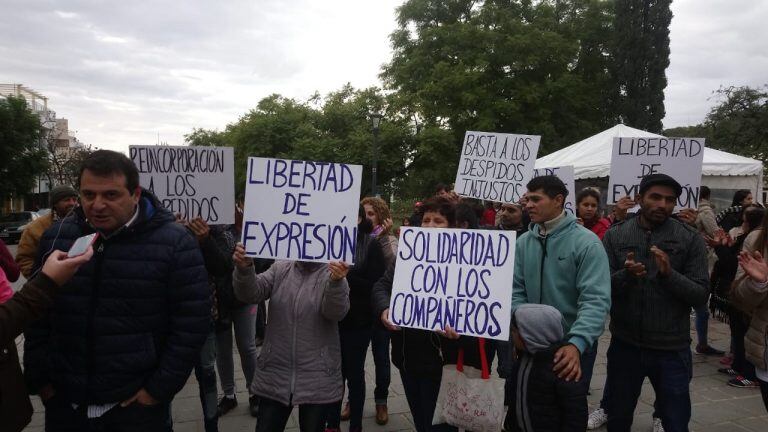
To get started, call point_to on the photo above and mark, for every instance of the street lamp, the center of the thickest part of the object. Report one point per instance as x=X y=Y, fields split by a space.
x=375 y=122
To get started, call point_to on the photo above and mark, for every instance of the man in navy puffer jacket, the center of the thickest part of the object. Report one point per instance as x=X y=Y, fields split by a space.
x=125 y=332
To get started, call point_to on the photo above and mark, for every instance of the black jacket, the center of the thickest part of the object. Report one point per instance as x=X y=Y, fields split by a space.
x=542 y=401
x=361 y=278
x=414 y=351
x=654 y=311
x=135 y=316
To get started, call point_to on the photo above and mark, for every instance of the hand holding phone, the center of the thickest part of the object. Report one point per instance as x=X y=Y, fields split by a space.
x=82 y=244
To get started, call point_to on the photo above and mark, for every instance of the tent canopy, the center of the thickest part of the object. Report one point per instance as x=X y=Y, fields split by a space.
x=591 y=157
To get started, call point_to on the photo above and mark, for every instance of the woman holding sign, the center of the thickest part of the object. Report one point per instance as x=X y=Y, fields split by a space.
x=421 y=354
x=300 y=361
x=355 y=328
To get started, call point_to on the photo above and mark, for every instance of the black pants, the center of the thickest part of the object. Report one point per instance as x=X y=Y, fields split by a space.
x=273 y=416
x=421 y=394
x=61 y=417
x=354 y=347
x=739 y=325
x=764 y=392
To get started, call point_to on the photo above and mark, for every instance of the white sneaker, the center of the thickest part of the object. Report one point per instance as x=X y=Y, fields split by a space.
x=597 y=418
x=657 y=426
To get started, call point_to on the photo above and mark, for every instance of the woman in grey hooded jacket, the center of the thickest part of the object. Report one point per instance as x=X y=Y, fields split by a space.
x=300 y=361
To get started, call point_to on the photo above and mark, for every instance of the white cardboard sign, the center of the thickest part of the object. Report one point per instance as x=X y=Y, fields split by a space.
x=192 y=181
x=634 y=158
x=496 y=166
x=564 y=173
x=454 y=277
x=301 y=210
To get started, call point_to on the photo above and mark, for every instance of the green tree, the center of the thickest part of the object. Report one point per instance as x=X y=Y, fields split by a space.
x=23 y=156
x=640 y=57
x=739 y=123
x=335 y=128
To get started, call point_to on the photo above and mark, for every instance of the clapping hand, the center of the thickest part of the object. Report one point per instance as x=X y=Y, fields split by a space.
x=634 y=268
x=754 y=266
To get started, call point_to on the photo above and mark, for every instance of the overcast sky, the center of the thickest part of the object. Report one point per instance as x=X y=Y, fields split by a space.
x=122 y=72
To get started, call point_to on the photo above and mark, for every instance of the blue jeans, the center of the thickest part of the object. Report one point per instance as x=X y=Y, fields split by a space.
x=670 y=374
x=702 y=324
x=244 y=322
x=380 y=348
x=354 y=348
x=421 y=394
x=205 y=372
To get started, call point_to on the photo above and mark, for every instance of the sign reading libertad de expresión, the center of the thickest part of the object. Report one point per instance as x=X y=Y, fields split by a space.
x=634 y=158
x=496 y=166
x=300 y=210
x=192 y=181
x=454 y=277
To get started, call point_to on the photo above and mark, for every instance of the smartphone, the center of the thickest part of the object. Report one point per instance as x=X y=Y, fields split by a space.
x=81 y=245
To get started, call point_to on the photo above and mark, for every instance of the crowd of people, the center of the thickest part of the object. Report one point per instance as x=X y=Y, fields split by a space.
x=112 y=335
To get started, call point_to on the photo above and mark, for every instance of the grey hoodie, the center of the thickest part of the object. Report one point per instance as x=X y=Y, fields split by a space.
x=540 y=326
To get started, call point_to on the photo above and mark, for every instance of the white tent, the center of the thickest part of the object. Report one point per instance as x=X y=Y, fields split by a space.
x=591 y=159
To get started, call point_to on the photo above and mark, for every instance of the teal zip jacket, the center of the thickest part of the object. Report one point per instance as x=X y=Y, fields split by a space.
x=567 y=269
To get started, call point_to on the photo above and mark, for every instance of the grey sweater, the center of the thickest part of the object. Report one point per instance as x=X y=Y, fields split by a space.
x=300 y=361
x=654 y=311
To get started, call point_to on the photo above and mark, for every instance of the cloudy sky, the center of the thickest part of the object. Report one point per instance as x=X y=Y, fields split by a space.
x=124 y=72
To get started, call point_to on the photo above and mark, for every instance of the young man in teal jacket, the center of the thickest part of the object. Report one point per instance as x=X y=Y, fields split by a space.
x=562 y=264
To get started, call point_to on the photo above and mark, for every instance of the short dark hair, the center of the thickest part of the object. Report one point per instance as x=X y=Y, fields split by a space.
x=588 y=192
x=465 y=213
x=705 y=192
x=551 y=185
x=442 y=206
x=104 y=163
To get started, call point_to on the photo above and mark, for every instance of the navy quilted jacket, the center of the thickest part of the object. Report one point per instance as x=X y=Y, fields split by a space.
x=136 y=315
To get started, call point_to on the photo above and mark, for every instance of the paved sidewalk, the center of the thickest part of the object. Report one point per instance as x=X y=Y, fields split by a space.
x=716 y=406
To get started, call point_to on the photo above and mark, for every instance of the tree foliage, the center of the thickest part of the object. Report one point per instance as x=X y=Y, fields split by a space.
x=335 y=128
x=640 y=57
x=23 y=156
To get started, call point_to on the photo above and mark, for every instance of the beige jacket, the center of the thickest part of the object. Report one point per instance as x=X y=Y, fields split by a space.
x=752 y=298
x=26 y=254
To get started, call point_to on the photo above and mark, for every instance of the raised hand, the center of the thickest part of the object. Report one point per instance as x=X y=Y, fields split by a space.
x=241 y=261
x=199 y=228
x=338 y=270
x=633 y=267
x=662 y=261
x=688 y=216
x=754 y=266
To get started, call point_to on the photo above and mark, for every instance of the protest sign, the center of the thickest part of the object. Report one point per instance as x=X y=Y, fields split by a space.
x=454 y=277
x=634 y=158
x=192 y=181
x=564 y=173
x=300 y=210
x=496 y=166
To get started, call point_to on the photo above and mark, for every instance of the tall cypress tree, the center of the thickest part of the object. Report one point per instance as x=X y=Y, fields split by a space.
x=640 y=59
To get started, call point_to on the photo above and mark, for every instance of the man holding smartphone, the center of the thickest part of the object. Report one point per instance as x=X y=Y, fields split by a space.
x=124 y=333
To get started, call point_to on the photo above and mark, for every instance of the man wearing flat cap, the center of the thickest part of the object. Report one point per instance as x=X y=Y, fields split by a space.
x=63 y=199
x=658 y=273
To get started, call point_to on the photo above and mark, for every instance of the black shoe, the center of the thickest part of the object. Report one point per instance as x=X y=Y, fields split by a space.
x=253 y=403
x=226 y=404
x=728 y=371
x=708 y=350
